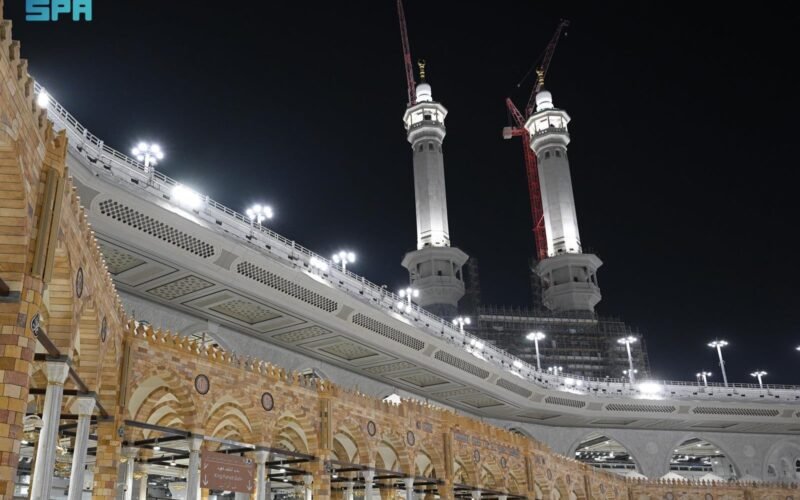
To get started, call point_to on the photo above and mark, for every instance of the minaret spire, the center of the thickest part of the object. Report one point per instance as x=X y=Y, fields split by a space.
x=435 y=267
x=569 y=276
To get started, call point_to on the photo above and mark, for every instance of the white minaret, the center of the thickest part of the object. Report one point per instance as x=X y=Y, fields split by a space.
x=569 y=276
x=435 y=267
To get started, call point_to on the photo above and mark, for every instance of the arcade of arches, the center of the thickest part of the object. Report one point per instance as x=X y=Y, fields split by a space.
x=95 y=404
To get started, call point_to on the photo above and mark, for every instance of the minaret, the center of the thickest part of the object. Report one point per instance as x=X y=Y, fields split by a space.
x=435 y=267
x=569 y=276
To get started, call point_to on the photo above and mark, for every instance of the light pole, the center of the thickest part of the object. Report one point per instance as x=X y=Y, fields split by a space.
x=150 y=155
x=630 y=374
x=703 y=375
x=258 y=214
x=718 y=345
x=344 y=257
x=407 y=293
x=555 y=369
x=460 y=322
x=758 y=374
x=536 y=337
x=630 y=339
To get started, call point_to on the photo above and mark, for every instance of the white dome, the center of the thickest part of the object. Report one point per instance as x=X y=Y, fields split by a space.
x=544 y=100
x=424 y=93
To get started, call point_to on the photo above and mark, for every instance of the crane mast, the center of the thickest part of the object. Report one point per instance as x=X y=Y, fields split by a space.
x=412 y=85
x=518 y=130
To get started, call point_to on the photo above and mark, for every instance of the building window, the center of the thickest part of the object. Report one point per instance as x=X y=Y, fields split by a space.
x=430 y=146
x=421 y=147
x=547 y=155
x=558 y=153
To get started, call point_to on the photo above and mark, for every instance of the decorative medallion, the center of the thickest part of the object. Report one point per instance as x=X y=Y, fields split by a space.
x=476 y=455
x=267 y=402
x=410 y=438
x=503 y=462
x=103 y=330
x=709 y=496
x=602 y=488
x=371 y=429
x=36 y=323
x=202 y=384
x=79 y=283
x=549 y=475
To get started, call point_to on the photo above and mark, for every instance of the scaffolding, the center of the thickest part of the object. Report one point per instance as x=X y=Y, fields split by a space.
x=582 y=344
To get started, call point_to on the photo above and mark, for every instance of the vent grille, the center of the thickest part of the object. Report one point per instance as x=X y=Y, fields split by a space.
x=291 y=289
x=153 y=227
x=574 y=403
x=743 y=412
x=505 y=384
x=461 y=364
x=388 y=332
x=640 y=408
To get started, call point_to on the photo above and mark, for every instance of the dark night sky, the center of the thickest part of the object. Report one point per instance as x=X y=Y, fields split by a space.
x=683 y=155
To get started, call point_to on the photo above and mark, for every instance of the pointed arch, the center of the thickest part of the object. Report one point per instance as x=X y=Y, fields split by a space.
x=58 y=300
x=352 y=440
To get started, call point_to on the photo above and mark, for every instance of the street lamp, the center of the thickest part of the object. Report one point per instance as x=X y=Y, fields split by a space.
x=555 y=369
x=150 y=155
x=704 y=376
x=344 y=257
x=43 y=99
x=630 y=339
x=258 y=214
x=758 y=374
x=536 y=337
x=407 y=293
x=460 y=322
x=630 y=373
x=718 y=345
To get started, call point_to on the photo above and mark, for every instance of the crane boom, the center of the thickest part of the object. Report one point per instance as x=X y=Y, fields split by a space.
x=412 y=85
x=541 y=71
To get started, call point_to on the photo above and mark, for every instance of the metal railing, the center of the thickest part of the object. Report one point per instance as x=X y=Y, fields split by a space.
x=238 y=225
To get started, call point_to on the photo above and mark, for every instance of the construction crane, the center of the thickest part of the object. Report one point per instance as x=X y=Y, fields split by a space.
x=517 y=129
x=412 y=85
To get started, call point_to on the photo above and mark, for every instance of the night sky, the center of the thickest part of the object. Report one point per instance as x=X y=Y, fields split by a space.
x=683 y=150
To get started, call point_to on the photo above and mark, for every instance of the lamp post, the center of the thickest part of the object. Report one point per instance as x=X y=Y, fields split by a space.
x=555 y=370
x=703 y=375
x=758 y=374
x=344 y=257
x=536 y=337
x=718 y=345
x=258 y=214
x=407 y=293
x=627 y=341
x=460 y=322
x=630 y=374
x=149 y=155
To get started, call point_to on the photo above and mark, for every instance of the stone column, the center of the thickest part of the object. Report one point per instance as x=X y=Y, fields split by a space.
x=130 y=465
x=369 y=475
x=42 y=479
x=262 y=482
x=502 y=497
x=307 y=480
x=476 y=494
x=349 y=492
x=193 y=474
x=85 y=408
x=142 y=486
x=409 y=483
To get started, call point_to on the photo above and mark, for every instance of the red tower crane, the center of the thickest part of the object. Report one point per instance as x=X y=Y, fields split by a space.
x=412 y=85
x=518 y=130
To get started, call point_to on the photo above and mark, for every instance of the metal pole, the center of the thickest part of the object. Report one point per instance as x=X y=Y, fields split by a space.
x=630 y=361
x=722 y=366
x=538 y=362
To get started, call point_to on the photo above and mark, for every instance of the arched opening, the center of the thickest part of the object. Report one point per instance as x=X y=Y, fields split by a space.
x=603 y=452
x=696 y=458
